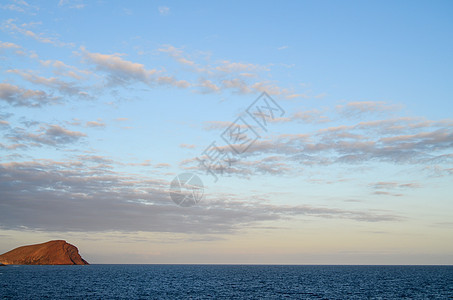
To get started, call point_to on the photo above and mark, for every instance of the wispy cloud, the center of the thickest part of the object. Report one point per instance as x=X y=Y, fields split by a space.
x=20 y=6
x=61 y=69
x=25 y=29
x=16 y=49
x=124 y=72
x=237 y=67
x=363 y=108
x=120 y=71
x=56 y=84
x=17 y=96
x=73 y=4
x=392 y=188
x=226 y=75
x=164 y=10
x=46 y=134
x=187 y=146
x=7 y=45
x=304 y=116
x=400 y=141
x=95 y=124
x=207 y=86
x=180 y=57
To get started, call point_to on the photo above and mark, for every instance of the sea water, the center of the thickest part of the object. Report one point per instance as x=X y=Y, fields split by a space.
x=226 y=282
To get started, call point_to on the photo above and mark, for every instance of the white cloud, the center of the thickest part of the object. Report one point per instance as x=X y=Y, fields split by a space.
x=207 y=86
x=178 y=55
x=20 y=6
x=402 y=141
x=122 y=72
x=226 y=75
x=62 y=69
x=75 y=4
x=355 y=109
x=7 y=45
x=24 y=29
x=97 y=123
x=164 y=10
x=229 y=67
x=187 y=146
x=238 y=86
x=119 y=70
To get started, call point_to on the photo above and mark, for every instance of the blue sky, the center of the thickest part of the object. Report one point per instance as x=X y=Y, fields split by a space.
x=102 y=104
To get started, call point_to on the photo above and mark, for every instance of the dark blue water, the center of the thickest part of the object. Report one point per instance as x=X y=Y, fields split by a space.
x=226 y=282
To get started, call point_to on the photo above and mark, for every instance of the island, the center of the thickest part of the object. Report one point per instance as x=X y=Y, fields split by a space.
x=57 y=252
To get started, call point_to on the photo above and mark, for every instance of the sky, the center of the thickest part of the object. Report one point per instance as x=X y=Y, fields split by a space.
x=322 y=131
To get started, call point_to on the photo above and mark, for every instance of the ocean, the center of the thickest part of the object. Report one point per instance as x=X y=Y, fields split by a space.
x=226 y=282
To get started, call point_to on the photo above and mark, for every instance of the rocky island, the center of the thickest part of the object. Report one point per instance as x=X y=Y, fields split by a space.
x=57 y=252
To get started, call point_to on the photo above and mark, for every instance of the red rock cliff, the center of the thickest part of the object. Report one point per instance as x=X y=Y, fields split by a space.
x=50 y=253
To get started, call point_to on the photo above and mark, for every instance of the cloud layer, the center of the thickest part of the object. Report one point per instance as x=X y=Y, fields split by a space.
x=88 y=195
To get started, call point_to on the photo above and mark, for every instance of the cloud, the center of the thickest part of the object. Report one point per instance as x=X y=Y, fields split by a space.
x=162 y=165
x=62 y=69
x=241 y=86
x=103 y=161
x=74 y=4
x=226 y=75
x=392 y=185
x=20 y=6
x=187 y=146
x=98 y=124
x=116 y=70
x=217 y=71
x=237 y=85
x=7 y=45
x=270 y=88
x=24 y=29
x=85 y=195
x=386 y=188
x=16 y=49
x=122 y=119
x=119 y=70
x=46 y=134
x=17 y=96
x=207 y=86
x=3 y=122
x=170 y=80
x=12 y=146
x=180 y=57
x=230 y=67
x=123 y=72
x=164 y=10
x=357 y=109
x=235 y=166
x=385 y=193
x=306 y=116
x=221 y=125
x=439 y=170
x=402 y=141
x=293 y=96
x=282 y=48
x=65 y=88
